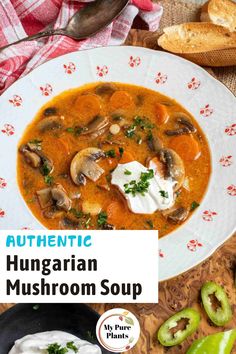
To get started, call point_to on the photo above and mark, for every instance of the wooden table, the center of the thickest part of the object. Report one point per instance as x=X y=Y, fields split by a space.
x=182 y=291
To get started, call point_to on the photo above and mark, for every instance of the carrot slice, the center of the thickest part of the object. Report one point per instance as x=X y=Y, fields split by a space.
x=88 y=105
x=162 y=114
x=158 y=167
x=126 y=157
x=121 y=99
x=186 y=146
x=115 y=213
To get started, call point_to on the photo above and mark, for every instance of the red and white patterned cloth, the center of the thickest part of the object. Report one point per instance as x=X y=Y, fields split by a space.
x=20 y=18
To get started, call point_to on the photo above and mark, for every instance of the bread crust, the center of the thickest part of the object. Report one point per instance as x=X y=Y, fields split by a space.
x=196 y=37
x=221 y=12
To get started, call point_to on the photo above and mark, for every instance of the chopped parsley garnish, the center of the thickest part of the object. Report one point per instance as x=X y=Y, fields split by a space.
x=149 y=136
x=70 y=130
x=121 y=151
x=127 y=172
x=71 y=345
x=45 y=169
x=77 y=213
x=164 y=194
x=102 y=218
x=109 y=136
x=78 y=131
x=150 y=224
x=141 y=186
x=56 y=349
x=85 y=219
x=49 y=180
x=130 y=131
x=75 y=130
x=110 y=153
x=141 y=124
x=194 y=205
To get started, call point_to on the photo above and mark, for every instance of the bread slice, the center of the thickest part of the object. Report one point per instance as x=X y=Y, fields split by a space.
x=196 y=37
x=216 y=58
x=220 y=12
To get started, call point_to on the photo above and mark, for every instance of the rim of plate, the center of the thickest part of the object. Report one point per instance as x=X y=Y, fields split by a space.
x=207 y=99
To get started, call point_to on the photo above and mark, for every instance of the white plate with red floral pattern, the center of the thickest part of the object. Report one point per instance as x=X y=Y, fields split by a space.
x=211 y=103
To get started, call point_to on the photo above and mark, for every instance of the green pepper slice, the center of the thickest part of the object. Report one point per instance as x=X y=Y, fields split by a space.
x=220 y=343
x=166 y=334
x=223 y=313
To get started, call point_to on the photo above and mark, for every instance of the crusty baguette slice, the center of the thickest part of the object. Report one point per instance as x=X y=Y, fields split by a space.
x=216 y=58
x=196 y=37
x=220 y=12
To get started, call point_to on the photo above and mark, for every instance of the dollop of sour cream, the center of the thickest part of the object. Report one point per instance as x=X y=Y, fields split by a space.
x=159 y=195
x=38 y=343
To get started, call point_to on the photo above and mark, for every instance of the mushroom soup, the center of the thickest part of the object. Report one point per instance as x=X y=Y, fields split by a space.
x=113 y=156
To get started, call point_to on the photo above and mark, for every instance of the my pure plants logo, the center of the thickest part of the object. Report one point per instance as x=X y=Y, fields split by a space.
x=118 y=330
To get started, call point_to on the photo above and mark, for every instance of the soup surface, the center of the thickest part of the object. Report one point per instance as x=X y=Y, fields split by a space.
x=113 y=156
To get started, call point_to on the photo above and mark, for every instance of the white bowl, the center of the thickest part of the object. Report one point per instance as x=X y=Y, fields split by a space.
x=211 y=103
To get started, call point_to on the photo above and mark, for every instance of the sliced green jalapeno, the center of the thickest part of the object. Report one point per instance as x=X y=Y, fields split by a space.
x=222 y=313
x=168 y=336
x=220 y=343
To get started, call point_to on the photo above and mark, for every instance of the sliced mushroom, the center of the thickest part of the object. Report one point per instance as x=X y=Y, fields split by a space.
x=106 y=88
x=154 y=143
x=174 y=166
x=53 y=213
x=31 y=158
x=178 y=215
x=50 y=111
x=68 y=223
x=46 y=166
x=184 y=121
x=62 y=200
x=34 y=146
x=107 y=226
x=36 y=158
x=84 y=164
x=45 y=198
x=50 y=123
x=179 y=131
x=96 y=126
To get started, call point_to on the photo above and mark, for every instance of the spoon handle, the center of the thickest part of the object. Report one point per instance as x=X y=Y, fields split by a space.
x=38 y=35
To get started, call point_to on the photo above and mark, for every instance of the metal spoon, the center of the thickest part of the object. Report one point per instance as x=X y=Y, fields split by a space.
x=86 y=22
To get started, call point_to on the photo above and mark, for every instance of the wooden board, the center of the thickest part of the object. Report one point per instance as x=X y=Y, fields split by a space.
x=182 y=291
